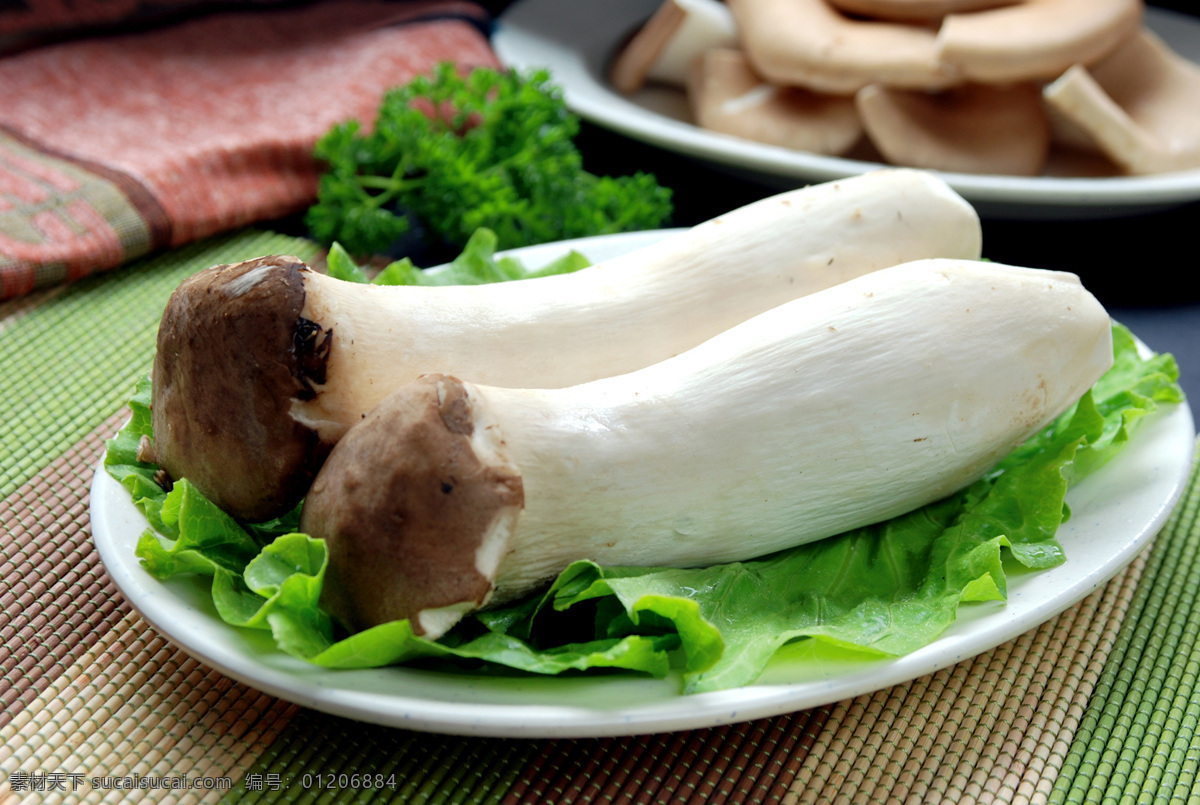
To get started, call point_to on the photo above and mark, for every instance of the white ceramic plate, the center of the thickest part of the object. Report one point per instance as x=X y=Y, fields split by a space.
x=1116 y=512
x=575 y=39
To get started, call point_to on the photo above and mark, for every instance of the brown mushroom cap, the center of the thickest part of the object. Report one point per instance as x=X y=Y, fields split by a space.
x=808 y=43
x=1140 y=105
x=727 y=96
x=220 y=420
x=969 y=129
x=1036 y=40
x=405 y=505
x=915 y=10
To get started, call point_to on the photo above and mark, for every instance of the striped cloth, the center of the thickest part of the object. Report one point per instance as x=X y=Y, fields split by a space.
x=114 y=147
x=1102 y=701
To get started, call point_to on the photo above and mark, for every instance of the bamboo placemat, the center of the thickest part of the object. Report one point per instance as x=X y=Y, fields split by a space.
x=1099 y=704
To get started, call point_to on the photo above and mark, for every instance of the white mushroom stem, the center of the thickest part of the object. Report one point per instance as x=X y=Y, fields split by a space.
x=810 y=44
x=827 y=413
x=1035 y=40
x=727 y=96
x=834 y=411
x=974 y=128
x=664 y=47
x=631 y=311
x=1140 y=106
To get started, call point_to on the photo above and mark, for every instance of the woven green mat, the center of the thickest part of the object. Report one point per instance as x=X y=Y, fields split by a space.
x=1139 y=740
x=68 y=362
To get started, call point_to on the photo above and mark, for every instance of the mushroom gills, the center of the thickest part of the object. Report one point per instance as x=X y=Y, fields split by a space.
x=830 y=412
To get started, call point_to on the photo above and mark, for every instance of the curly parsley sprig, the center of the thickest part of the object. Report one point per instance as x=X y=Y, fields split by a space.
x=458 y=153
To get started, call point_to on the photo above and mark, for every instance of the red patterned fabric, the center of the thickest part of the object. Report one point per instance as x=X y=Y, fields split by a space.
x=112 y=147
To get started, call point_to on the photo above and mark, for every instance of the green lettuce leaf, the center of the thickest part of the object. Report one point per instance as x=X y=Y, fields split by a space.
x=477 y=264
x=883 y=590
x=121 y=459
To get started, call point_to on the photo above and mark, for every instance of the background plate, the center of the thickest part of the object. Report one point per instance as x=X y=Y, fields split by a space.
x=1116 y=513
x=575 y=39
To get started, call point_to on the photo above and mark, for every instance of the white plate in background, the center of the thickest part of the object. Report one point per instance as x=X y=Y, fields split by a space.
x=576 y=39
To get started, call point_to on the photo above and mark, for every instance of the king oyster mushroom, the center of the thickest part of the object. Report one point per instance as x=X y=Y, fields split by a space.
x=836 y=410
x=262 y=366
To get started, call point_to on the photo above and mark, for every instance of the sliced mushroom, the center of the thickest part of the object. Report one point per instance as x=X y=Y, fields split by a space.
x=726 y=95
x=808 y=43
x=664 y=47
x=1140 y=105
x=969 y=129
x=915 y=10
x=1036 y=40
